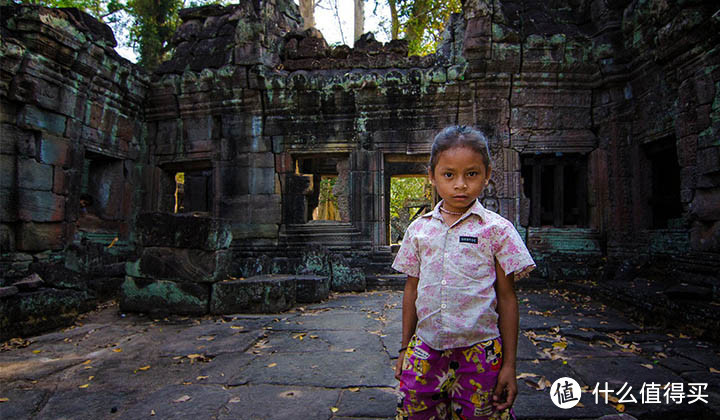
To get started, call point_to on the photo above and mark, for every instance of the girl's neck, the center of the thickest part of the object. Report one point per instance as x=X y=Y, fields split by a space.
x=452 y=216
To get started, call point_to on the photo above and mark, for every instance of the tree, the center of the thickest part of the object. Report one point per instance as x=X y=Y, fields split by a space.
x=420 y=21
x=155 y=22
x=359 y=19
x=307 y=11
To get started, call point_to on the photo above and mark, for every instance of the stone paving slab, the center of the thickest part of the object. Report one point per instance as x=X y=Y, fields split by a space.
x=126 y=366
x=260 y=402
x=331 y=369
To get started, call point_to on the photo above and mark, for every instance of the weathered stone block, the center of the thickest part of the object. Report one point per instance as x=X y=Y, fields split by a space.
x=261 y=294
x=254 y=231
x=311 y=288
x=164 y=296
x=7 y=235
x=29 y=283
x=181 y=231
x=8 y=172
x=40 y=206
x=26 y=314
x=8 y=291
x=346 y=278
x=184 y=265
x=40 y=236
x=36 y=118
x=58 y=276
x=34 y=175
x=55 y=151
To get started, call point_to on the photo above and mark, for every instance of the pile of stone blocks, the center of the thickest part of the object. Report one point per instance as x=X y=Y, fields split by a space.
x=180 y=257
x=39 y=303
x=183 y=268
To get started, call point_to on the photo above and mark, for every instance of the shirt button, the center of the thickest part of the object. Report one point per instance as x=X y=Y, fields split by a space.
x=442 y=306
x=444 y=282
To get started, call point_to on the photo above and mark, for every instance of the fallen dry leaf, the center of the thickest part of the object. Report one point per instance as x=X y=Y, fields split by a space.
x=117 y=350
x=620 y=408
x=142 y=368
x=560 y=345
x=152 y=412
x=200 y=378
x=206 y=338
x=713 y=370
x=37 y=351
x=84 y=386
x=182 y=399
x=235 y=400
x=354 y=389
x=114 y=241
x=349 y=350
x=526 y=375
x=541 y=383
x=87 y=362
x=646 y=365
x=334 y=409
x=272 y=365
x=237 y=327
x=579 y=404
x=2 y=400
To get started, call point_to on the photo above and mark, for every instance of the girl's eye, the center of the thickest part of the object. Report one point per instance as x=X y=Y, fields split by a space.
x=472 y=173
x=448 y=174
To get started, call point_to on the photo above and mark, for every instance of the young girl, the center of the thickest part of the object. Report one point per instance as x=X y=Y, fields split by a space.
x=460 y=313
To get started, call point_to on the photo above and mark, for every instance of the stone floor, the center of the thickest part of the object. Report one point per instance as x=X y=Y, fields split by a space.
x=334 y=360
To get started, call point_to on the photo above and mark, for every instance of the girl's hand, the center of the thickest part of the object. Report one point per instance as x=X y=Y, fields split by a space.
x=399 y=365
x=505 y=389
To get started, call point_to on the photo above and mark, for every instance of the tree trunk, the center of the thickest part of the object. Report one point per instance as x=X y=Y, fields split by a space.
x=359 y=18
x=394 y=21
x=307 y=11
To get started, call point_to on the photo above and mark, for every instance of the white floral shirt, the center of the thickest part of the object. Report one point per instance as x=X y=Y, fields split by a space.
x=456 y=301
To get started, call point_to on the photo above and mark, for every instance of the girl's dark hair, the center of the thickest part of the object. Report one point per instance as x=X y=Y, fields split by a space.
x=459 y=136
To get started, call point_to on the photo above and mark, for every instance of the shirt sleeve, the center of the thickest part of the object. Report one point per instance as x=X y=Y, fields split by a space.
x=407 y=260
x=512 y=254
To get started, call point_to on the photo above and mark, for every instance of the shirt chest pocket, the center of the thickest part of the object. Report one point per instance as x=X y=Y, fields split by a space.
x=473 y=259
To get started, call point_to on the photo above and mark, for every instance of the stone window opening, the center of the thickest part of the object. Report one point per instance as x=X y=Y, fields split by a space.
x=665 y=208
x=101 y=192
x=556 y=185
x=322 y=189
x=188 y=187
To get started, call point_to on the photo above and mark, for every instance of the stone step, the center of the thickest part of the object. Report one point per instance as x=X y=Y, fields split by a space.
x=386 y=282
x=260 y=294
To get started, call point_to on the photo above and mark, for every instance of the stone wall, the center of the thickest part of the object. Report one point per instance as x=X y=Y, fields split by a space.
x=603 y=119
x=71 y=152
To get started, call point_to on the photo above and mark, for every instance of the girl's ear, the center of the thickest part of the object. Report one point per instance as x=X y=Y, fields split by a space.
x=430 y=176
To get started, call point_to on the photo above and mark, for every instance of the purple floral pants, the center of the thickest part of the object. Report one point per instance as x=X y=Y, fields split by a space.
x=450 y=384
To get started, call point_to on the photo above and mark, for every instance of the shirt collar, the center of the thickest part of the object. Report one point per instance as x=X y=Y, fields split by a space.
x=476 y=209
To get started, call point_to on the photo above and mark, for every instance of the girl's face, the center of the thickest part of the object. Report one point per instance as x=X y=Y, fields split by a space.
x=459 y=177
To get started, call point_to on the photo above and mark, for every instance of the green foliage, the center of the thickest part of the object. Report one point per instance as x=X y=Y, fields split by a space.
x=156 y=21
x=326 y=187
x=402 y=189
x=420 y=21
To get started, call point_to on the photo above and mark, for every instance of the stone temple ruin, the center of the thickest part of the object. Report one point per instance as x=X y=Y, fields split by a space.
x=604 y=120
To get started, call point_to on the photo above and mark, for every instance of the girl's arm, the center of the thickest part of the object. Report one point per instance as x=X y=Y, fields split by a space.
x=507 y=309
x=409 y=319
